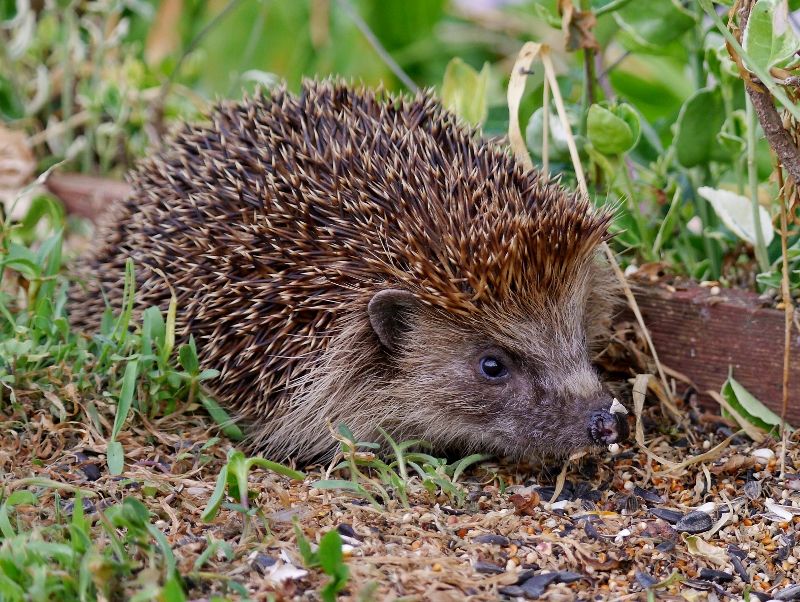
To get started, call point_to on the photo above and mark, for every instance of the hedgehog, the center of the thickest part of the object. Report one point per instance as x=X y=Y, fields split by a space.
x=352 y=256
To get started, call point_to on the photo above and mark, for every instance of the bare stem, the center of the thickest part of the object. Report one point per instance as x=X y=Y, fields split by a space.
x=377 y=46
x=752 y=175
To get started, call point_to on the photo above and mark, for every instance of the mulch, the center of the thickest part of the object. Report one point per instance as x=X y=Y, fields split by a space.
x=622 y=524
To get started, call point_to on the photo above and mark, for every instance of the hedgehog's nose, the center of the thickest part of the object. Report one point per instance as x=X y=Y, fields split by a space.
x=606 y=428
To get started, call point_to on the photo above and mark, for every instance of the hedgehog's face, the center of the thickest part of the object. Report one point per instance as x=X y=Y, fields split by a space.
x=518 y=389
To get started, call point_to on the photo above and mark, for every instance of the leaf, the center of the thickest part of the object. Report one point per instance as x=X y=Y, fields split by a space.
x=465 y=463
x=115 y=457
x=464 y=91
x=172 y=590
x=337 y=484
x=330 y=552
x=11 y=106
x=655 y=22
x=187 y=355
x=769 y=38
x=612 y=130
x=736 y=212
x=125 y=397
x=276 y=468
x=331 y=560
x=308 y=555
x=217 y=496
x=699 y=122
x=220 y=416
x=558 y=148
x=699 y=547
x=748 y=406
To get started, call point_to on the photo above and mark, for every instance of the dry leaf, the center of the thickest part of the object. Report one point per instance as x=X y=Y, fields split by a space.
x=700 y=547
x=516 y=87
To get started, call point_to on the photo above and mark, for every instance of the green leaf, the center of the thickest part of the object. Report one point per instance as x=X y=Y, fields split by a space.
x=125 y=397
x=276 y=468
x=655 y=22
x=699 y=122
x=172 y=590
x=337 y=484
x=187 y=355
x=557 y=147
x=310 y=559
x=169 y=336
x=11 y=106
x=769 y=39
x=612 y=129
x=330 y=552
x=217 y=496
x=220 y=416
x=750 y=408
x=331 y=560
x=115 y=457
x=465 y=463
x=464 y=91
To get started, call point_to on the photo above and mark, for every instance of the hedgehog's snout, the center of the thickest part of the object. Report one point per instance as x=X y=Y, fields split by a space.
x=606 y=427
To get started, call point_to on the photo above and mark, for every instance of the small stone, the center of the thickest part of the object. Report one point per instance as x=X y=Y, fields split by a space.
x=645 y=580
x=613 y=448
x=347 y=531
x=262 y=561
x=488 y=567
x=790 y=593
x=666 y=546
x=512 y=591
x=752 y=490
x=717 y=576
x=739 y=567
x=647 y=495
x=665 y=514
x=491 y=538
x=763 y=455
x=536 y=585
x=92 y=471
x=568 y=577
x=694 y=522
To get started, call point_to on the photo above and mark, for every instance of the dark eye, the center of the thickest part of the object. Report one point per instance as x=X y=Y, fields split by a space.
x=492 y=368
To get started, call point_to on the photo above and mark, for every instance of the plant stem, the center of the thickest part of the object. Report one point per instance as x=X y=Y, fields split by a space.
x=610 y=7
x=589 y=80
x=788 y=308
x=752 y=176
x=711 y=249
x=377 y=46
x=68 y=80
x=636 y=211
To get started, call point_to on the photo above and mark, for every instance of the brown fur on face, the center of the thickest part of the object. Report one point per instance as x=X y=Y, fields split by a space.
x=346 y=255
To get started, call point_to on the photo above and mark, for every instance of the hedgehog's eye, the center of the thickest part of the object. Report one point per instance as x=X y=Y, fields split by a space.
x=492 y=368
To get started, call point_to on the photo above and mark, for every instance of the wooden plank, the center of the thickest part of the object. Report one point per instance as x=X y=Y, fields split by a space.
x=704 y=335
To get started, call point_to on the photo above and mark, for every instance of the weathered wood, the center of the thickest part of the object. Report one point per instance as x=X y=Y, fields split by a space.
x=703 y=336
x=87 y=196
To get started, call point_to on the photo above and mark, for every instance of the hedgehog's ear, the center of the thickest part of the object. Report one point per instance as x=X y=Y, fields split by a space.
x=388 y=314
